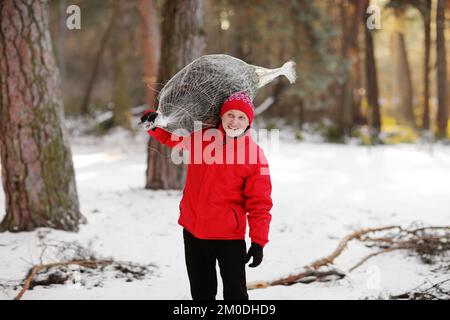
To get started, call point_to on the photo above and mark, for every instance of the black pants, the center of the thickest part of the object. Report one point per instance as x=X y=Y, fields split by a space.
x=201 y=256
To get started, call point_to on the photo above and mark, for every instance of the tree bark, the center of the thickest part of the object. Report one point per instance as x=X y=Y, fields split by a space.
x=404 y=82
x=121 y=109
x=37 y=170
x=61 y=42
x=150 y=48
x=96 y=66
x=184 y=40
x=404 y=112
x=372 y=80
x=426 y=68
x=351 y=15
x=442 y=116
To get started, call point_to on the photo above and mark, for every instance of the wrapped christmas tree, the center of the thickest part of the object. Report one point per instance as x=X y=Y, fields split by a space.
x=197 y=91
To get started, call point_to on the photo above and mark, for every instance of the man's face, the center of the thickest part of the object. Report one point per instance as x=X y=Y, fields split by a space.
x=234 y=122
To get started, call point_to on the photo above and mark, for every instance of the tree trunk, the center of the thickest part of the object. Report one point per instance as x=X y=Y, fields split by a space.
x=61 y=42
x=404 y=82
x=37 y=170
x=121 y=110
x=404 y=111
x=426 y=69
x=240 y=29
x=372 y=81
x=442 y=116
x=352 y=13
x=96 y=67
x=150 y=48
x=183 y=34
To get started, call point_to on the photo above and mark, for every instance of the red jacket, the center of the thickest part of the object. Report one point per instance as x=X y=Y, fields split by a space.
x=218 y=199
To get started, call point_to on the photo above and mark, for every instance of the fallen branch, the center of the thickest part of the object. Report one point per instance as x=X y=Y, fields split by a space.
x=343 y=244
x=421 y=240
x=415 y=239
x=37 y=268
x=308 y=276
x=435 y=292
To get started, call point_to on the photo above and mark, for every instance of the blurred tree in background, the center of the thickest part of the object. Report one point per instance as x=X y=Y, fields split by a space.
x=373 y=97
x=441 y=66
x=183 y=40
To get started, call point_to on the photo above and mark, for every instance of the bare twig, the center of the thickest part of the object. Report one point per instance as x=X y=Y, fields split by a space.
x=42 y=254
x=373 y=255
x=343 y=244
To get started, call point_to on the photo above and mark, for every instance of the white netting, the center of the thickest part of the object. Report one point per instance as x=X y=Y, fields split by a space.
x=197 y=91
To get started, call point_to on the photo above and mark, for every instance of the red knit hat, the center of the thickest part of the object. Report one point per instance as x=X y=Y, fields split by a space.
x=239 y=101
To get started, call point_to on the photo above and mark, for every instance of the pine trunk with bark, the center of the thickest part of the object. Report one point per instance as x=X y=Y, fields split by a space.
x=372 y=81
x=352 y=12
x=150 y=48
x=441 y=64
x=404 y=85
x=121 y=109
x=183 y=40
x=426 y=13
x=37 y=170
x=85 y=109
x=404 y=82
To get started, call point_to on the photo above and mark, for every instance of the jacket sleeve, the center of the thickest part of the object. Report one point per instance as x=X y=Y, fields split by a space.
x=258 y=203
x=168 y=139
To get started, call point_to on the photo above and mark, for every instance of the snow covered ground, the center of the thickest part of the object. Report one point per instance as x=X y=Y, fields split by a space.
x=321 y=193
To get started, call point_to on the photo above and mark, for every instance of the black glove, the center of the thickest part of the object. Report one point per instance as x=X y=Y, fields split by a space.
x=148 y=119
x=149 y=116
x=255 y=251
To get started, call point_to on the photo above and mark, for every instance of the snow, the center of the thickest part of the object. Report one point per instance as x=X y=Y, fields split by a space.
x=321 y=193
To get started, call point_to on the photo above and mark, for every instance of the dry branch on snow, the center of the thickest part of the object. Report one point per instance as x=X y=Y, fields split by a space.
x=427 y=242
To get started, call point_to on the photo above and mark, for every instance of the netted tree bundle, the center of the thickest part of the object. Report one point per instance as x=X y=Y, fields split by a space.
x=197 y=91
